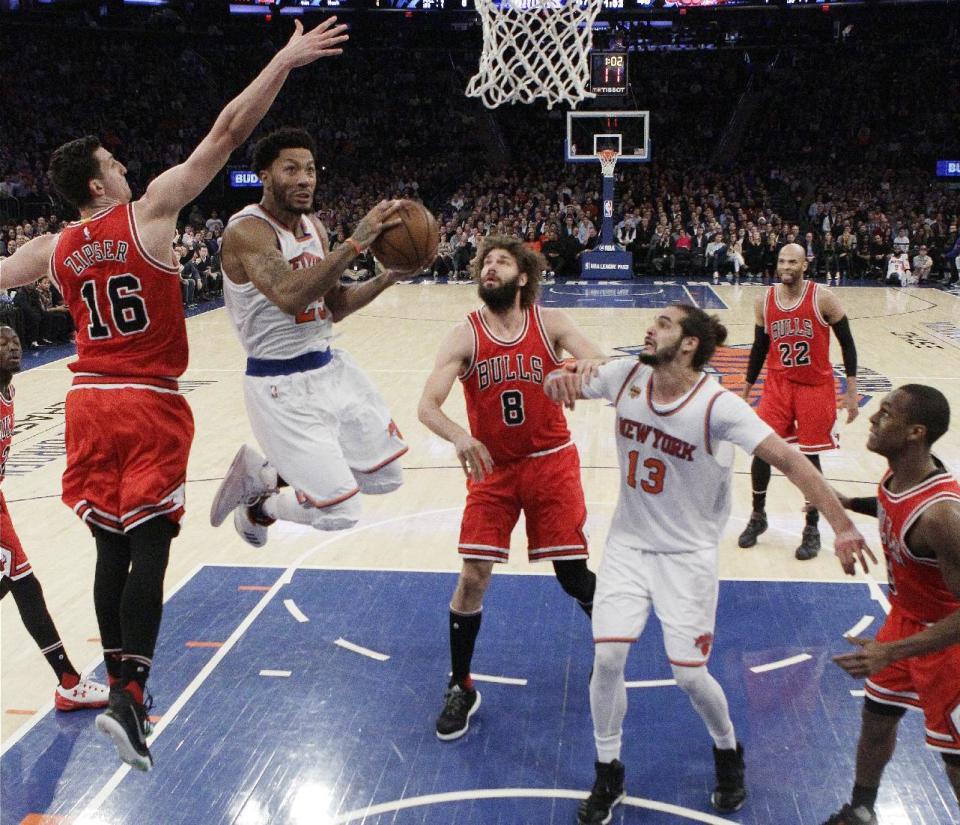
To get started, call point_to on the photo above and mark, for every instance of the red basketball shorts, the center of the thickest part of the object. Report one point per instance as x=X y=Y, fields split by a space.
x=803 y=414
x=14 y=563
x=929 y=683
x=547 y=489
x=127 y=453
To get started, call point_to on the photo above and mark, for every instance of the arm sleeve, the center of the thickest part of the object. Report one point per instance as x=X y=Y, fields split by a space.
x=842 y=330
x=758 y=353
x=610 y=379
x=865 y=506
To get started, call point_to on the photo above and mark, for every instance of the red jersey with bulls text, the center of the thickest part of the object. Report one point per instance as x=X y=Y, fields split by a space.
x=6 y=430
x=126 y=304
x=799 y=337
x=503 y=385
x=917 y=586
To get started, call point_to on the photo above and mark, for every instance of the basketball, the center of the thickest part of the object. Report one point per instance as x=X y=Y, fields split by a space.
x=413 y=243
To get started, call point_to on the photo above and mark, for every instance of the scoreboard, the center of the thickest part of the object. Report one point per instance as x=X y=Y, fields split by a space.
x=608 y=72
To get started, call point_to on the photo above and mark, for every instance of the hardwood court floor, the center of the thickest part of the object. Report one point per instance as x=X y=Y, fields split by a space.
x=902 y=336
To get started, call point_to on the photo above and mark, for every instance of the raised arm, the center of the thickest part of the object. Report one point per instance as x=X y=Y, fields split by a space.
x=849 y=545
x=456 y=353
x=29 y=263
x=758 y=352
x=177 y=187
x=250 y=253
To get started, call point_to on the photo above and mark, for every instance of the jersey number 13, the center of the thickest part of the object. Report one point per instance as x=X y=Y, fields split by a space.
x=651 y=481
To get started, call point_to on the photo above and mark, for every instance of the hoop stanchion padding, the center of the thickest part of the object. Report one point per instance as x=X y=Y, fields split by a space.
x=534 y=48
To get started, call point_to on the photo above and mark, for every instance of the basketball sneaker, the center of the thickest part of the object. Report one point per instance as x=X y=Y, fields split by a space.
x=458 y=706
x=83 y=695
x=126 y=723
x=756 y=526
x=848 y=815
x=244 y=483
x=606 y=794
x=730 y=793
x=253 y=532
x=809 y=543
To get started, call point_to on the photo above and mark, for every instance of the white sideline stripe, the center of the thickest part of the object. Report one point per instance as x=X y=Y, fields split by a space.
x=878 y=595
x=498 y=680
x=41 y=713
x=858 y=693
x=792 y=660
x=294 y=611
x=860 y=626
x=363 y=651
x=652 y=683
x=517 y=793
x=275 y=672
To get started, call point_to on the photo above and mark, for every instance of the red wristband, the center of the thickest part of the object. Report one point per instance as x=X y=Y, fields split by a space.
x=356 y=247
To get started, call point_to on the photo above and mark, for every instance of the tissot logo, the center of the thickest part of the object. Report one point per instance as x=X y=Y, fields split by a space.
x=729 y=366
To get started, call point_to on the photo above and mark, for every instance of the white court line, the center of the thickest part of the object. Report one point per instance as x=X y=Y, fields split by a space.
x=859 y=627
x=877 y=594
x=652 y=683
x=792 y=660
x=294 y=611
x=497 y=680
x=517 y=793
x=858 y=693
x=42 y=712
x=363 y=651
x=282 y=673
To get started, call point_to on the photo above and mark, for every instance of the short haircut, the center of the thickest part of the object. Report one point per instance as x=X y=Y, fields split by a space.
x=528 y=261
x=929 y=407
x=268 y=148
x=72 y=167
x=707 y=329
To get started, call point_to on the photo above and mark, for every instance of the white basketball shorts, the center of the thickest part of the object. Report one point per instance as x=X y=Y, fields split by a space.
x=681 y=588
x=324 y=428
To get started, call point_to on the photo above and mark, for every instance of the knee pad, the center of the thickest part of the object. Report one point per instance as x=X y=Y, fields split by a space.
x=385 y=480
x=340 y=516
x=689 y=679
x=610 y=657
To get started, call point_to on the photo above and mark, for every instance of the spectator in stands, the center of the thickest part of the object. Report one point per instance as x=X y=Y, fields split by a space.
x=879 y=253
x=27 y=300
x=898 y=270
x=846 y=253
x=753 y=253
x=812 y=252
x=56 y=325
x=922 y=264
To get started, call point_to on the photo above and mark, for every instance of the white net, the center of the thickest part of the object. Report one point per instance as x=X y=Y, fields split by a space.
x=534 y=48
x=608 y=161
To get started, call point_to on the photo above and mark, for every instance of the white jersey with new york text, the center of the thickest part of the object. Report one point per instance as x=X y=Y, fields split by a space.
x=676 y=461
x=265 y=331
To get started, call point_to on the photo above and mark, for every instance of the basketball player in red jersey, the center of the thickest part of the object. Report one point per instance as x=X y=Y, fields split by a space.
x=16 y=575
x=915 y=660
x=793 y=322
x=116 y=271
x=518 y=454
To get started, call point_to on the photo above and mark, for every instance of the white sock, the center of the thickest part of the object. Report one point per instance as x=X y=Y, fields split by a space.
x=284 y=506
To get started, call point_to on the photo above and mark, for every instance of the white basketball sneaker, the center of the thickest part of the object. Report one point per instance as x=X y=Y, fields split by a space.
x=252 y=533
x=83 y=695
x=247 y=480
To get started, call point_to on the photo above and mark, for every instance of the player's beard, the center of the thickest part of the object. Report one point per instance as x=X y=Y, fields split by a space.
x=499 y=298
x=292 y=206
x=661 y=356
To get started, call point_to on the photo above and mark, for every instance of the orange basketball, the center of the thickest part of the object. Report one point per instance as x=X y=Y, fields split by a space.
x=413 y=243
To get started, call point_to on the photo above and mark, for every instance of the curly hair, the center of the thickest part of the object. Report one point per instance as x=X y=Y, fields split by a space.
x=268 y=148
x=529 y=262
x=707 y=329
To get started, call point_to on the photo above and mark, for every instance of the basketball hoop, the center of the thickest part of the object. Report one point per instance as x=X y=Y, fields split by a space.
x=608 y=161
x=534 y=48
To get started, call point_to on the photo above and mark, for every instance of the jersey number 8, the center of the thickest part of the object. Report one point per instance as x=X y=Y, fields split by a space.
x=512 y=406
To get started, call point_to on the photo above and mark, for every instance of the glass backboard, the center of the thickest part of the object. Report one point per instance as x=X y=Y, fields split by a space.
x=626 y=132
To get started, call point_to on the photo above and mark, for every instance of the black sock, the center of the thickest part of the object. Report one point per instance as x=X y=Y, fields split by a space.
x=28 y=594
x=577 y=580
x=865 y=797
x=760 y=480
x=813 y=516
x=464 y=628
x=110 y=577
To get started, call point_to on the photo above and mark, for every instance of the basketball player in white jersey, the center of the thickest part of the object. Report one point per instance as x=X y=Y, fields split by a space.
x=676 y=428
x=325 y=430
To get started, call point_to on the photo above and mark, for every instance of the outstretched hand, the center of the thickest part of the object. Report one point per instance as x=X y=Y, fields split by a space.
x=869 y=657
x=850 y=547
x=322 y=41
